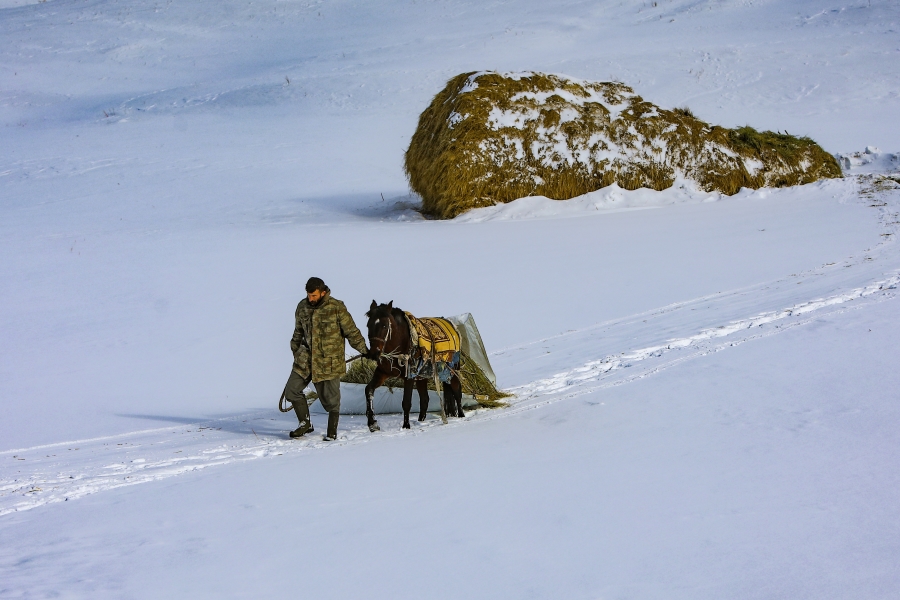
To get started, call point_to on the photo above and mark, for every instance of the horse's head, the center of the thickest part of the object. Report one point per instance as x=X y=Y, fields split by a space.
x=381 y=327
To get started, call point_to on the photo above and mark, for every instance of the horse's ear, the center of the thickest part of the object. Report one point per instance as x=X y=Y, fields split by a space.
x=391 y=304
x=374 y=305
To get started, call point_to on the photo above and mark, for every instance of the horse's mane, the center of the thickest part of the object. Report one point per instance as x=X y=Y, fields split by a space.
x=383 y=310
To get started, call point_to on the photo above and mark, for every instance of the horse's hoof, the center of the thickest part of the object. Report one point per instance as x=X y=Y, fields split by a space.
x=421 y=417
x=374 y=427
x=406 y=426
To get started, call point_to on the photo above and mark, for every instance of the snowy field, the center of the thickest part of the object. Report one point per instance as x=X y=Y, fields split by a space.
x=706 y=399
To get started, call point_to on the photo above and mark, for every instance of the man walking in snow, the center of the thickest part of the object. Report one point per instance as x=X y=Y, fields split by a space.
x=321 y=323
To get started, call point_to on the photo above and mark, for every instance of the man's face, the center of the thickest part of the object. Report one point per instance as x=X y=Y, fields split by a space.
x=315 y=296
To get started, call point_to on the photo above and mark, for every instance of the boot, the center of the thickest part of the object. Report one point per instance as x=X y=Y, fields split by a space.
x=331 y=434
x=301 y=409
x=305 y=427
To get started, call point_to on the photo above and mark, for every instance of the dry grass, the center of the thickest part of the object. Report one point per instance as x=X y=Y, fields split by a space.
x=475 y=382
x=489 y=138
x=472 y=378
x=362 y=370
x=883 y=183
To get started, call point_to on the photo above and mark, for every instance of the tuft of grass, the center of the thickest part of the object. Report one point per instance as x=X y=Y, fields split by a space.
x=476 y=383
x=488 y=138
x=883 y=183
x=471 y=377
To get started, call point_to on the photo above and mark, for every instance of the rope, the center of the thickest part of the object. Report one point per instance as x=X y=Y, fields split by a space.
x=437 y=379
x=290 y=405
x=281 y=405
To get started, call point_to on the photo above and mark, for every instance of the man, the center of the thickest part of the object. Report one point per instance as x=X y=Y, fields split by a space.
x=321 y=323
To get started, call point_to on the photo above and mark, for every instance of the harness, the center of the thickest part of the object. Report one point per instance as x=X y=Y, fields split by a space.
x=402 y=359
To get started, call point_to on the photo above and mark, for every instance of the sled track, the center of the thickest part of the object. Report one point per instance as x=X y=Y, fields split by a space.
x=32 y=477
x=50 y=473
x=600 y=375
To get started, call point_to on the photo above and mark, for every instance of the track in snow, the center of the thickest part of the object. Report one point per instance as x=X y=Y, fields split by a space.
x=605 y=355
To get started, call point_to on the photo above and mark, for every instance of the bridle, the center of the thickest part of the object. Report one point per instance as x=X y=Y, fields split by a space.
x=393 y=355
x=383 y=340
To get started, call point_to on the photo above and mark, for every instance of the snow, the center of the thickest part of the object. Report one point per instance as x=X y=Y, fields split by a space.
x=705 y=386
x=871 y=160
x=703 y=480
x=498 y=118
x=454 y=119
x=517 y=117
x=552 y=145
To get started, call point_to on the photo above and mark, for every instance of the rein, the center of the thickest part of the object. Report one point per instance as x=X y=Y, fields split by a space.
x=393 y=355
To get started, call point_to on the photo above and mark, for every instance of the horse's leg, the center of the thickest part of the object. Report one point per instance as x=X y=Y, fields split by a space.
x=377 y=379
x=453 y=408
x=456 y=388
x=422 y=386
x=453 y=398
x=407 y=401
x=449 y=399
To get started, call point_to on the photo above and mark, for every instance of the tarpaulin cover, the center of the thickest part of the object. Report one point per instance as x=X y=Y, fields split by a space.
x=471 y=342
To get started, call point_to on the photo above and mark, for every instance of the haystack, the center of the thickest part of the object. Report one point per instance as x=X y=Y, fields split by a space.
x=489 y=137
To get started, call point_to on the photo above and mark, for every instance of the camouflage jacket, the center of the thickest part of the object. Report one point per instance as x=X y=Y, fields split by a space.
x=318 y=342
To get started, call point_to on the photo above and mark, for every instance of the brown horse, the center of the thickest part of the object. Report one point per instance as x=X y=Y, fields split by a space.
x=390 y=345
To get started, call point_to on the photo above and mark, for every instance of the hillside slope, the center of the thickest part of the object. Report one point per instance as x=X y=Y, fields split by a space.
x=702 y=410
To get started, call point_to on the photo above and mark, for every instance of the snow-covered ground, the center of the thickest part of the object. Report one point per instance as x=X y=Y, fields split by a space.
x=706 y=400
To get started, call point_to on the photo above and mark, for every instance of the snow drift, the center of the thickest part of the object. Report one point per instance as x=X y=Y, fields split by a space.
x=491 y=137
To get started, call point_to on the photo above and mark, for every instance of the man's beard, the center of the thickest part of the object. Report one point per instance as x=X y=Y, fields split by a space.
x=317 y=302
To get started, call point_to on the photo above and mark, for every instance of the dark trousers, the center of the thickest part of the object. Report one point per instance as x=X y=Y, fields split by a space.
x=329 y=392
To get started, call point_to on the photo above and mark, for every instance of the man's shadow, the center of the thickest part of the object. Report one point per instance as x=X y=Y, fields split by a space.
x=254 y=424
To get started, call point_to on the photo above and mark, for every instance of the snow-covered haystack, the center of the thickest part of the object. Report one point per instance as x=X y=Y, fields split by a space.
x=489 y=137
